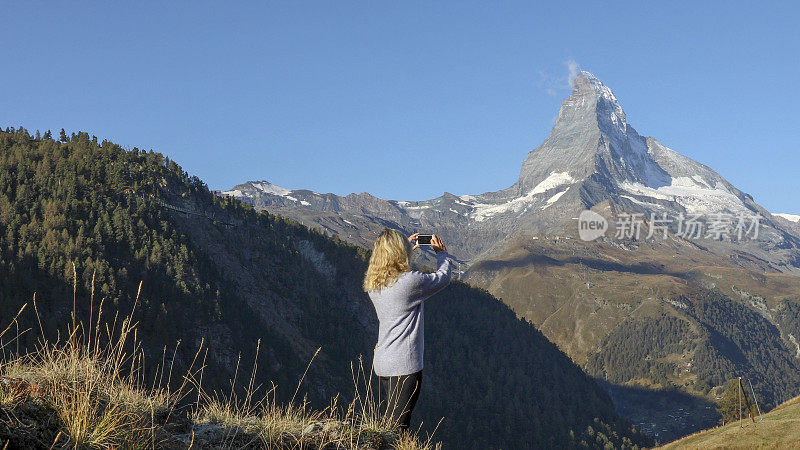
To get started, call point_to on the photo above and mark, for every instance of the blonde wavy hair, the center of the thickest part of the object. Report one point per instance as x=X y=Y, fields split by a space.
x=390 y=258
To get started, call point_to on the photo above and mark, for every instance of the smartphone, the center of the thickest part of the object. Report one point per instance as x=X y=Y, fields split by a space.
x=424 y=239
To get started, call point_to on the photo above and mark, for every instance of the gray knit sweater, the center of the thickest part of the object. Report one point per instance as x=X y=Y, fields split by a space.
x=401 y=312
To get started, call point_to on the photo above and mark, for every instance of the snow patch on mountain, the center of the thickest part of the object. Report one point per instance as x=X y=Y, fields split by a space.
x=693 y=194
x=555 y=198
x=263 y=186
x=642 y=203
x=485 y=210
x=554 y=180
x=269 y=188
x=700 y=180
x=790 y=217
x=233 y=193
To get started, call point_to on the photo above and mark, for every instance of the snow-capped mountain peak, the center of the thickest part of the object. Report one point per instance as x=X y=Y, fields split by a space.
x=592 y=156
x=266 y=186
x=590 y=121
x=585 y=81
x=253 y=189
x=261 y=186
x=790 y=217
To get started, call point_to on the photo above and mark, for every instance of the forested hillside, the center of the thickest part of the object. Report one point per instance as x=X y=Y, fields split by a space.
x=663 y=325
x=695 y=346
x=699 y=348
x=215 y=269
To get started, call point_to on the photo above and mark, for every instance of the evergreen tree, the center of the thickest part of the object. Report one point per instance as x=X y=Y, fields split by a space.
x=731 y=402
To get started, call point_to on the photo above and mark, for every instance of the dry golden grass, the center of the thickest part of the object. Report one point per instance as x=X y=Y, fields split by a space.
x=94 y=388
x=779 y=429
x=296 y=425
x=93 y=383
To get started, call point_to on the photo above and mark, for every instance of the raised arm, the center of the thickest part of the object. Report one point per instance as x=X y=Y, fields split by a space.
x=426 y=284
x=431 y=283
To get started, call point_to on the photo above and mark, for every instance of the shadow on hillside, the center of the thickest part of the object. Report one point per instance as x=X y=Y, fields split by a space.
x=536 y=259
x=665 y=414
x=19 y=280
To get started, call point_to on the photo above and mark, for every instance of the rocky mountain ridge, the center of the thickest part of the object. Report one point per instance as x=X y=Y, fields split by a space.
x=593 y=158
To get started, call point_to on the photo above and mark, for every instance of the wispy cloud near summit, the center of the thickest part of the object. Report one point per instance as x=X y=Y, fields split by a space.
x=552 y=84
x=573 y=68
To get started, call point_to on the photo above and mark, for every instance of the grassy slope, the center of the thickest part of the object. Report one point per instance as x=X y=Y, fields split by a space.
x=83 y=394
x=779 y=429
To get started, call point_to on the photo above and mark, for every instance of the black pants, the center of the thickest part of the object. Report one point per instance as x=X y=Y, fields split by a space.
x=399 y=396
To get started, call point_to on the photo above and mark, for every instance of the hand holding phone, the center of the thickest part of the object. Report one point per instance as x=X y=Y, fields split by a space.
x=424 y=239
x=427 y=239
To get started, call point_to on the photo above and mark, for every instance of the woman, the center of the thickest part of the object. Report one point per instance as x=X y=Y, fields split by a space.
x=398 y=294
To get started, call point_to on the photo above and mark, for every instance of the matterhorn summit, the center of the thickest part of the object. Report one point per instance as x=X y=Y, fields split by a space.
x=594 y=143
x=593 y=158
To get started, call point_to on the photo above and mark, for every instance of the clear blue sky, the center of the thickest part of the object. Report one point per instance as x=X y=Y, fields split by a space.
x=339 y=96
